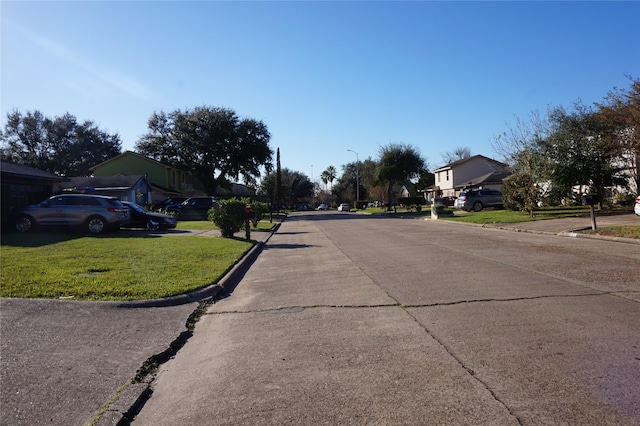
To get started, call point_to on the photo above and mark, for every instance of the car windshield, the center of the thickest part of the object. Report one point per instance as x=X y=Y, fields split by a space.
x=136 y=207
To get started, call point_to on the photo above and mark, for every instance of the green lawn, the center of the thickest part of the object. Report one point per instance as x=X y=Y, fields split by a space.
x=112 y=266
x=203 y=225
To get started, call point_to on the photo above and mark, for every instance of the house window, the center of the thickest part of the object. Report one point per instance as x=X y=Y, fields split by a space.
x=447 y=175
x=173 y=177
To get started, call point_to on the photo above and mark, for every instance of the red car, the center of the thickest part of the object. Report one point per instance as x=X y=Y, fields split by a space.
x=447 y=201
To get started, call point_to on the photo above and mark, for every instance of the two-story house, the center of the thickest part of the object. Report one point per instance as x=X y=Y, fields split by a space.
x=473 y=172
x=166 y=181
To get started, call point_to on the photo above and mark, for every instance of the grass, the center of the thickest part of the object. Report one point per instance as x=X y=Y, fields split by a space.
x=509 y=216
x=624 y=231
x=112 y=267
x=205 y=225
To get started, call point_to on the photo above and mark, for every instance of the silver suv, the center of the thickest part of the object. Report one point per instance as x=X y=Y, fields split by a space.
x=94 y=213
x=479 y=199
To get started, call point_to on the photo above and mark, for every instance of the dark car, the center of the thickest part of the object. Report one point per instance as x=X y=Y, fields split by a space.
x=168 y=202
x=477 y=200
x=94 y=213
x=194 y=208
x=139 y=217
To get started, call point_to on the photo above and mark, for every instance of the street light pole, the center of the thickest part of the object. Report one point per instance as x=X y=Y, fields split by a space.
x=357 y=177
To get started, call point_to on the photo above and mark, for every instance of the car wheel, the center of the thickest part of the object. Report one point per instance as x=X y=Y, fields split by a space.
x=96 y=225
x=152 y=225
x=25 y=223
x=477 y=206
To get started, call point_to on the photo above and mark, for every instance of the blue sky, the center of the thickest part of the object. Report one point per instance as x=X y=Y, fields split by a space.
x=324 y=77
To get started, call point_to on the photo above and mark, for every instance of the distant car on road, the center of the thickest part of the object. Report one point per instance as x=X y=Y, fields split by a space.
x=636 y=208
x=194 y=208
x=94 y=213
x=479 y=199
x=323 y=206
x=344 y=207
x=139 y=217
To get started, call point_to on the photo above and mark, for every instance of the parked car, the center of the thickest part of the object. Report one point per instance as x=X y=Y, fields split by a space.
x=167 y=202
x=479 y=199
x=344 y=207
x=139 y=217
x=93 y=213
x=194 y=208
x=447 y=201
x=636 y=208
x=323 y=206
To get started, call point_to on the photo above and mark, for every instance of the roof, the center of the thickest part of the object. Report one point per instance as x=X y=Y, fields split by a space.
x=25 y=172
x=104 y=182
x=489 y=178
x=464 y=160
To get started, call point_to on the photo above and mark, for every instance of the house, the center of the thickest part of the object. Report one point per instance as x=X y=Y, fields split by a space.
x=24 y=185
x=476 y=171
x=134 y=188
x=166 y=181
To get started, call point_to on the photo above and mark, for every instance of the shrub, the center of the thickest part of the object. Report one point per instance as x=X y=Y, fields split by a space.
x=520 y=192
x=229 y=216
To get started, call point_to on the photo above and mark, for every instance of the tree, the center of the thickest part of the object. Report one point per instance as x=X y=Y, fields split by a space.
x=575 y=151
x=294 y=185
x=459 y=153
x=345 y=188
x=398 y=162
x=212 y=143
x=621 y=111
x=60 y=145
x=278 y=188
x=324 y=178
x=331 y=174
x=522 y=135
x=520 y=192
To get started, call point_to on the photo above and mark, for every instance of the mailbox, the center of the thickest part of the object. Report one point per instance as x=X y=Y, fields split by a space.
x=590 y=199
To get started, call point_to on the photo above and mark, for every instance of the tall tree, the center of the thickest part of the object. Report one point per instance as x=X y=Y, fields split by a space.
x=278 y=189
x=621 y=111
x=212 y=143
x=58 y=145
x=399 y=162
x=331 y=174
x=324 y=178
x=575 y=152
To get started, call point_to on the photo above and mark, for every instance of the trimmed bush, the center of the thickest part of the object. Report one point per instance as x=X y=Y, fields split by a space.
x=229 y=216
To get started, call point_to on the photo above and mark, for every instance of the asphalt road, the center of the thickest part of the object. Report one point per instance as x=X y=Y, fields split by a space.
x=348 y=319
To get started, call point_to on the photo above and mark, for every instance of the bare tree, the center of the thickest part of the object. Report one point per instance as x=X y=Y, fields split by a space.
x=460 y=153
x=520 y=137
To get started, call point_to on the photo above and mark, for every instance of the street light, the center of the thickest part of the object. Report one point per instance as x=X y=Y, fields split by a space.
x=357 y=177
